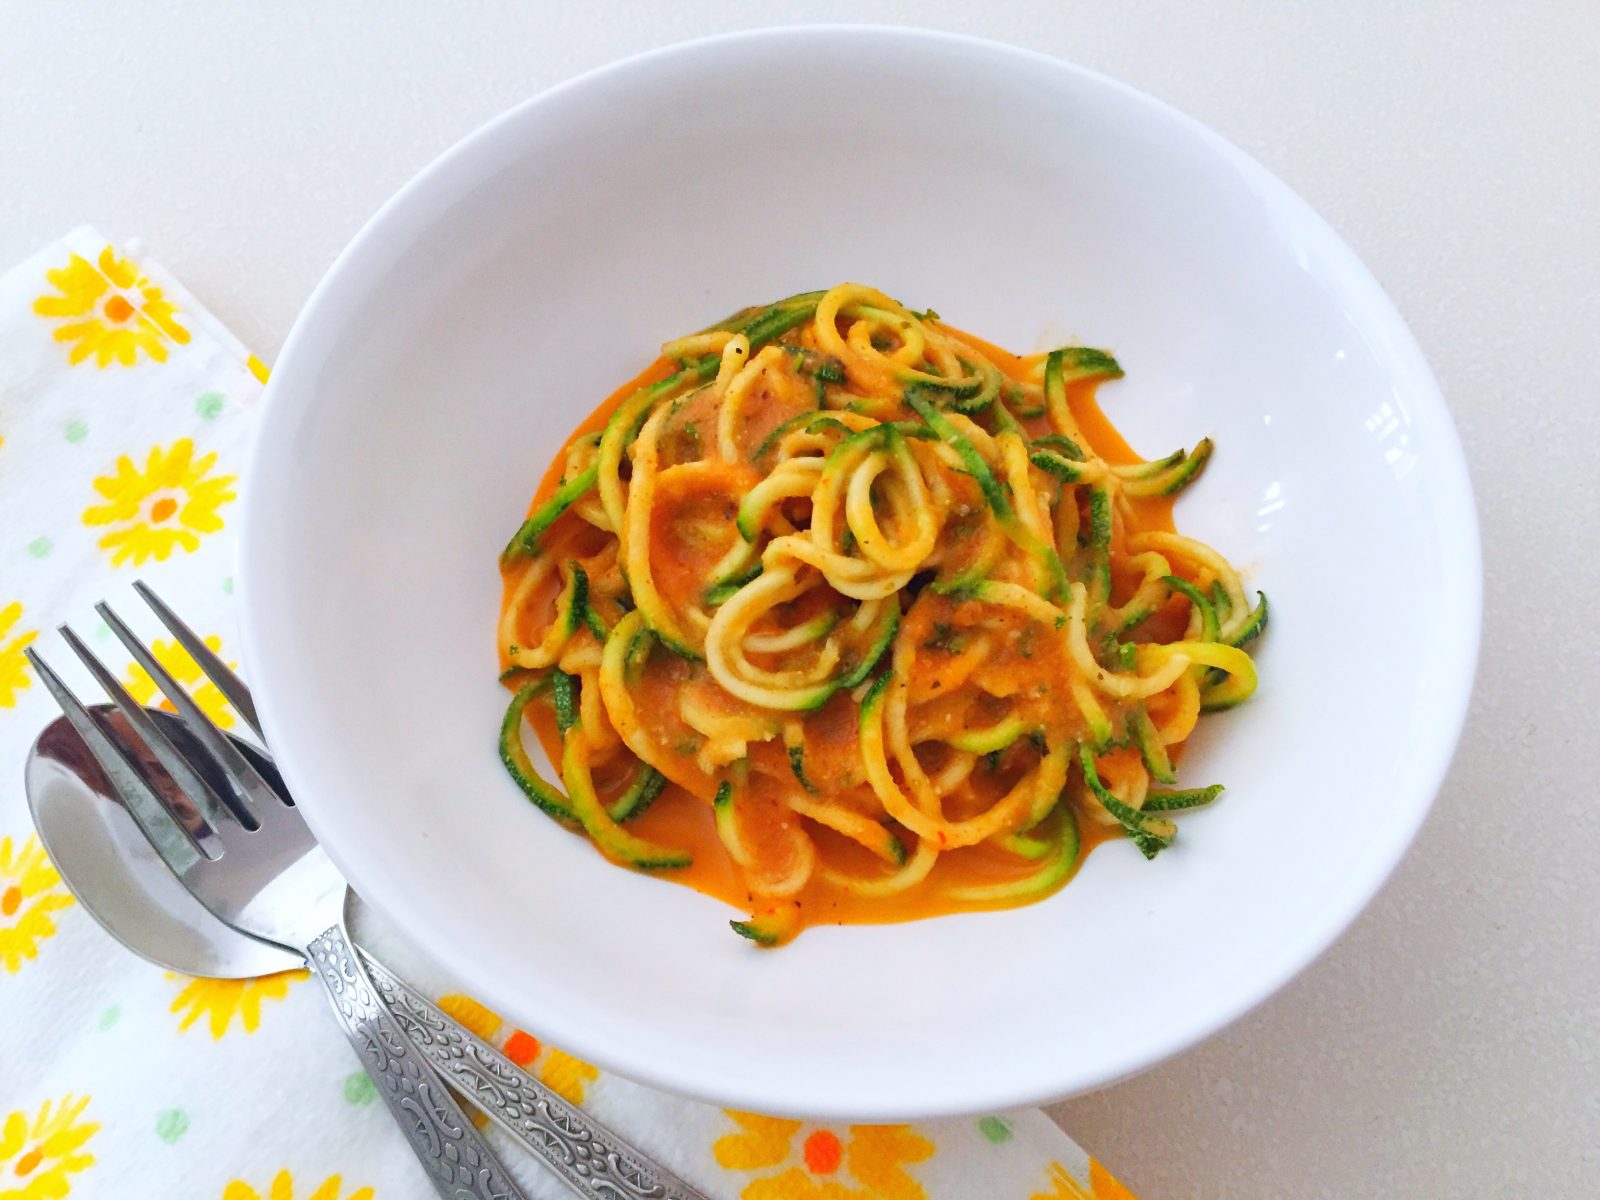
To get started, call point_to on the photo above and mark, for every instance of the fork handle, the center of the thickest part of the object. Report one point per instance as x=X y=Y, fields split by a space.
x=593 y=1161
x=459 y=1162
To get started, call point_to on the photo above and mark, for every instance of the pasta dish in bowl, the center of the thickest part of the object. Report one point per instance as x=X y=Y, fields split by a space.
x=896 y=620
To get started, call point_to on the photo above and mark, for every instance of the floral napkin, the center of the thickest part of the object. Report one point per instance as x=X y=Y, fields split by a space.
x=126 y=412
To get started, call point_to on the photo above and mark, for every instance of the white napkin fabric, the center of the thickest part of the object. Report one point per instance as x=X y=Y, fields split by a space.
x=126 y=412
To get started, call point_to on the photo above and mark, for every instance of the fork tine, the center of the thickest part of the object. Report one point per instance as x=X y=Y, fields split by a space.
x=228 y=683
x=189 y=780
x=247 y=784
x=167 y=835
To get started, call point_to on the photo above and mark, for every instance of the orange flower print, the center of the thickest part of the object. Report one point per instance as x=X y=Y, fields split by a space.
x=38 y=1156
x=1102 y=1185
x=108 y=310
x=797 y=1161
x=13 y=663
x=182 y=667
x=562 y=1073
x=221 y=1000
x=30 y=890
x=282 y=1188
x=164 y=506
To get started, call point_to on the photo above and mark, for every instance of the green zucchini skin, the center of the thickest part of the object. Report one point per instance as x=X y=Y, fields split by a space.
x=647 y=784
x=778 y=319
x=1167 y=476
x=1208 y=613
x=564 y=689
x=771 y=440
x=1059 y=465
x=757 y=931
x=1006 y=421
x=1189 y=470
x=1150 y=835
x=1026 y=846
x=819 y=424
x=1158 y=800
x=517 y=763
x=1142 y=732
x=596 y=623
x=987 y=741
x=624 y=423
x=656 y=621
x=874 y=695
x=723 y=591
x=969 y=395
x=1071 y=363
x=579 y=604
x=1099 y=547
x=797 y=765
x=1254 y=626
x=768 y=929
x=526 y=539
x=747 y=520
x=1060 y=861
x=970 y=458
x=1062 y=445
x=614 y=841
x=581 y=612
x=882 y=637
x=741 y=321
x=994 y=496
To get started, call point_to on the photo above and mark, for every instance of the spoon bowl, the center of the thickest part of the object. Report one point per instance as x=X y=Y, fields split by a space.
x=109 y=865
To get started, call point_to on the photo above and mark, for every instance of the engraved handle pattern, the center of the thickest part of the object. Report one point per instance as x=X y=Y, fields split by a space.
x=590 y=1158
x=459 y=1163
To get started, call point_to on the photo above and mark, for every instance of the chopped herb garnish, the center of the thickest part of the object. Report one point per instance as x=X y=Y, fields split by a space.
x=946 y=638
x=1030 y=634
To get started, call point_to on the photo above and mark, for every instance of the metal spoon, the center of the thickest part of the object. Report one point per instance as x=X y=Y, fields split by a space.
x=109 y=865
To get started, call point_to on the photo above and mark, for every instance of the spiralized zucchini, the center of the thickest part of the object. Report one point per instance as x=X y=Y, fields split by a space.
x=889 y=607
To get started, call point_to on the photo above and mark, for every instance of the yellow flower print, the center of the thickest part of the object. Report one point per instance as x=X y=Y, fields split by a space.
x=182 y=667
x=13 y=664
x=559 y=1071
x=564 y=1074
x=282 y=1188
x=109 y=310
x=37 y=1157
x=168 y=505
x=220 y=1000
x=30 y=890
x=1102 y=1185
x=815 y=1162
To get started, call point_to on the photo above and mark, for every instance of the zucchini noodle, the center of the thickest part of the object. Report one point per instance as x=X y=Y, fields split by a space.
x=890 y=620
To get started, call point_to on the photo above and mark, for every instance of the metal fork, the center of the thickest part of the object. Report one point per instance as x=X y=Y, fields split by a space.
x=249 y=857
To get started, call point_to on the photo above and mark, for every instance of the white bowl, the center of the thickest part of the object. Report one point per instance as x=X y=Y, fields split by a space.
x=519 y=279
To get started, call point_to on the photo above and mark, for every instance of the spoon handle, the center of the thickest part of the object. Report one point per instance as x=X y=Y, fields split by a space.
x=590 y=1158
x=460 y=1164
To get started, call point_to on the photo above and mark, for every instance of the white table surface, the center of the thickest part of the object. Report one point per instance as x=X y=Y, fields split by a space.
x=1449 y=1044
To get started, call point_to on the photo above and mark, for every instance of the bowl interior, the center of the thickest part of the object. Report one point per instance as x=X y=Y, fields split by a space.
x=502 y=294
